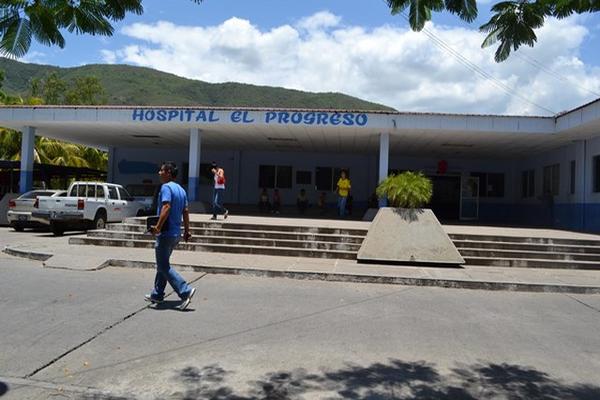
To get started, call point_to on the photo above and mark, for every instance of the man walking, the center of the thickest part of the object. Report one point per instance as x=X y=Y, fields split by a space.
x=172 y=207
x=219 y=177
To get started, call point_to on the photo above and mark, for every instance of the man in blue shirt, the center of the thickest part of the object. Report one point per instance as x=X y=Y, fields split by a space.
x=172 y=207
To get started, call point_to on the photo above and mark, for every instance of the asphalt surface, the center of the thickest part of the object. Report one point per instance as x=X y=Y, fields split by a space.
x=90 y=335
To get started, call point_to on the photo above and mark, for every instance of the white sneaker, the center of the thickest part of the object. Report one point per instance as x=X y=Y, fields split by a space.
x=187 y=301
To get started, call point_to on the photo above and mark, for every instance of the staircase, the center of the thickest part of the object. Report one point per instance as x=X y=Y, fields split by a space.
x=344 y=243
x=278 y=240
x=527 y=252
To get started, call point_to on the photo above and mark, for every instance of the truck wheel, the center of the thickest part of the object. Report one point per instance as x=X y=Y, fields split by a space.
x=99 y=221
x=18 y=227
x=57 y=229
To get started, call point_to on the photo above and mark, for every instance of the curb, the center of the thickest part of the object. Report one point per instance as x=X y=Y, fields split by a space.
x=338 y=277
x=32 y=255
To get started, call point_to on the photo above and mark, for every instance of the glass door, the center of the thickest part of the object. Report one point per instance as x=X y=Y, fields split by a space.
x=469 y=198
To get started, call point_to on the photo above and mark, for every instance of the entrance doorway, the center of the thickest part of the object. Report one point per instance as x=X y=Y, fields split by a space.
x=445 y=201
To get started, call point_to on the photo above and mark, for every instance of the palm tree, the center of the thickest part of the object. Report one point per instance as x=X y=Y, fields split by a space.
x=512 y=24
x=42 y=20
x=51 y=151
x=10 y=144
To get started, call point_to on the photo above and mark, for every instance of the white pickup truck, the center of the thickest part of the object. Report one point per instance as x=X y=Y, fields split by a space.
x=88 y=205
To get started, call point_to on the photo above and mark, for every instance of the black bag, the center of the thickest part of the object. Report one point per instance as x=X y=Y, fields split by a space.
x=151 y=221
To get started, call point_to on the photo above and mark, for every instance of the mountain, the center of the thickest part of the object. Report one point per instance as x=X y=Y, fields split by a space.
x=130 y=85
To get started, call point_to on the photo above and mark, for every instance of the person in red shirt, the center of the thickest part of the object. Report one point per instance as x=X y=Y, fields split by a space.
x=219 y=177
x=276 y=201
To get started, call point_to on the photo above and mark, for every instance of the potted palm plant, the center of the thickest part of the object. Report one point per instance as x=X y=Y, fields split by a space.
x=405 y=232
x=406 y=191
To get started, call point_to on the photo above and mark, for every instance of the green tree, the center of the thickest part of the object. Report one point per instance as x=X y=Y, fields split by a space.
x=46 y=150
x=87 y=90
x=42 y=20
x=53 y=89
x=512 y=24
x=406 y=190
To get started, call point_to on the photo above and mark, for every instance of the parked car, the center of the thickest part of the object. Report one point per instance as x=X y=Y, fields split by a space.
x=88 y=205
x=20 y=209
x=146 y=194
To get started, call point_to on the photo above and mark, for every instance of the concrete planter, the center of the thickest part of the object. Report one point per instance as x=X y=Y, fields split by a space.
x=408 y=236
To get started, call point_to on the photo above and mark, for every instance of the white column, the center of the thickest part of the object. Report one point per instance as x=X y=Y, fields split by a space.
x=194 y=165
x=384 y=155
x=27 y=154
x=110 y=173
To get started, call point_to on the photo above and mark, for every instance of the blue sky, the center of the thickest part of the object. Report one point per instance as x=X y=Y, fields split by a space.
x=350 y=46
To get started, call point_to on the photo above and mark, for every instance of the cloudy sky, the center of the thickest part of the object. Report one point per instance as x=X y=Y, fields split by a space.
x=354 y=47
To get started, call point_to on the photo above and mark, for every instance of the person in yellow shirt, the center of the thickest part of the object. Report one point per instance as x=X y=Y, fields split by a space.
x=343 y=189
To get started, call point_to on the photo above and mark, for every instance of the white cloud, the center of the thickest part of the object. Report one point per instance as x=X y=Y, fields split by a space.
x=109 y=57
x=35 y=57
x=320 y=20
x=389 y=64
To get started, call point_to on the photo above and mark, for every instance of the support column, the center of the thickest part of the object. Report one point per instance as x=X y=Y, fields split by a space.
x=384 y=155
x=194 y=165
x=110 y=173
x=27 y=146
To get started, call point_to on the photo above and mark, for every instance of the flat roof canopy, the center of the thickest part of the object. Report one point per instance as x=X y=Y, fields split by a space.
x=413 y=134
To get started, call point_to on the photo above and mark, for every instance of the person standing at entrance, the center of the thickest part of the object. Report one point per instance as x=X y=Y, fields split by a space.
x=172 y=208
x=219 y=177
x=343 y=189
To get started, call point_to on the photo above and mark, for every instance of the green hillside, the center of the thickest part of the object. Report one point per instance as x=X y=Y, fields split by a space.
x=129 y=85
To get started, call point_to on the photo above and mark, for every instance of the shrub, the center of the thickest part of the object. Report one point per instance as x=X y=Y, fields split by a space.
x=406 y=190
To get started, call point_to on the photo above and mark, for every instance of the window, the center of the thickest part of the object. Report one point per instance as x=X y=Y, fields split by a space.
x=528 y=183
x=284 y=177
x=206 y=175
x=573 y=166
x=35 y=193
x=303 y=177
x=490 y=184
x=91 y=191
x=266 y=176
x=123 y=193
x=326 y=178
x=551 y=179
x=112 y=193
x=596 y=173
x=275 y=176
x=100 y=191
x=81 y=190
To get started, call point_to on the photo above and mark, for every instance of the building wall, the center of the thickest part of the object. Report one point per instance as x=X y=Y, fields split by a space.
x=242 y=171
x=579 y=211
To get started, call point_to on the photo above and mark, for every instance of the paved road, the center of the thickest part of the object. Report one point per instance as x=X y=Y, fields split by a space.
x=89 y=335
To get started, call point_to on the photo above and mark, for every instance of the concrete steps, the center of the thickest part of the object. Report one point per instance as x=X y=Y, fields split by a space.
x=223 y=248
x=249 y=238
x=251 y=233
x=262 y=227
x=334 y=242
x=528 y=252
x=237 y=240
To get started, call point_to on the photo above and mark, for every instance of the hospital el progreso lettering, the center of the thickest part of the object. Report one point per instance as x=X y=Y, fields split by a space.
x=247 y=117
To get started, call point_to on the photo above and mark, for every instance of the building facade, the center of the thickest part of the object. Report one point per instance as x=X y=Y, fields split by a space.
x=517 y=170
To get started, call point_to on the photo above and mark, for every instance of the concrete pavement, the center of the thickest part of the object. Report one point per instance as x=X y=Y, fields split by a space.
x=88 y=334
x=57 y=253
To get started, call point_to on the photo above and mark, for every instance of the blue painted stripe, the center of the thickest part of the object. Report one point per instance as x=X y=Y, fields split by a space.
x=26 y=181
x=193 y=189
x=572 y=216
